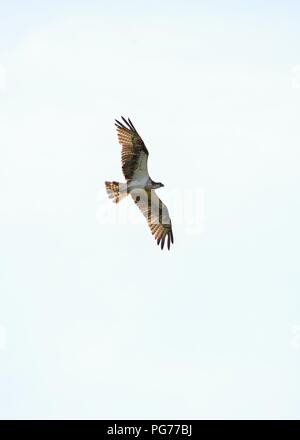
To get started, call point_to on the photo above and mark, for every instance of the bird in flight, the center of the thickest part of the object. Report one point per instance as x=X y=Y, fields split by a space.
x=139 y=184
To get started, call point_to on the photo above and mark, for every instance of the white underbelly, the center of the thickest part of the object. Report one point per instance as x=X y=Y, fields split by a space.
x=138 y=182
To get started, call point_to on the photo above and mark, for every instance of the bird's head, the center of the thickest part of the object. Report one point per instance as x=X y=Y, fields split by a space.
x=158 y=185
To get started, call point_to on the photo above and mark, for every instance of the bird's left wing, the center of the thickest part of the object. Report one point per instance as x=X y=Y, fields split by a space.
x=156 y=213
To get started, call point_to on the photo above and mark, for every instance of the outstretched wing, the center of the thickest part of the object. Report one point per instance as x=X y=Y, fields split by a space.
x=156 y=213
x=134 y=151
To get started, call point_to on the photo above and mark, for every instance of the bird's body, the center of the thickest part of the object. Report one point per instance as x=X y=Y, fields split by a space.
x=139 y=184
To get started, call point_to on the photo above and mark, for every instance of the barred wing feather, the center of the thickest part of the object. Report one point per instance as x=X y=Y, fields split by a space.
x=156 y=214
x=134 y=152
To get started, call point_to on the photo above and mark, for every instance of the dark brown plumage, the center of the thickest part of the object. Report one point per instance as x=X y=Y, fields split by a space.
x=132 y=147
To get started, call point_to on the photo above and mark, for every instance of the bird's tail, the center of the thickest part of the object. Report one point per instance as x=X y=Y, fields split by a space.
x=116 y=191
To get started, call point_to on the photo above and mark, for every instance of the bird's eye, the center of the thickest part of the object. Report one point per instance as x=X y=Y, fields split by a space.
x=137 y=199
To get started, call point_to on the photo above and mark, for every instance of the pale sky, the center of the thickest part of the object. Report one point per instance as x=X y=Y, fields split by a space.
x=95 y=320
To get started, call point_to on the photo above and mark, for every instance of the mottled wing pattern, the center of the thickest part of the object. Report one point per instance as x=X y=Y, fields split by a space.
x=134 y=151
x=156 y=213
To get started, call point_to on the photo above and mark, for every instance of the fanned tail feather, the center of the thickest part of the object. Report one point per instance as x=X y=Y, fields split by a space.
x=116 y=191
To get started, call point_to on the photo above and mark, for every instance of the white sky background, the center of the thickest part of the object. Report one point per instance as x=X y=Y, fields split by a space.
x=95 y=320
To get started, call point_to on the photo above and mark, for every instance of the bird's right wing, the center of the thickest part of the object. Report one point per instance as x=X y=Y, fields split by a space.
x=134 y=151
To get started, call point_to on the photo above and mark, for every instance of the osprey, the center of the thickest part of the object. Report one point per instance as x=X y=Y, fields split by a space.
x=139 y=184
